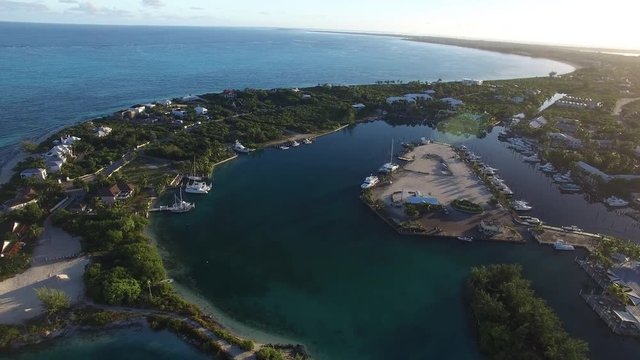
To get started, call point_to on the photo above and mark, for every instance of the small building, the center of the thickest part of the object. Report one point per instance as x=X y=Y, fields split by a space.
x=592 y=171
x=164 y=102
x=566 y=140
x=178 y=112
x=201 y=110
x=67 y=140
x=54 y=166
x=358 y=107
x=116 y=192
x=38 y=173
x=471 y=82
x=306 y=96
x=490 y=227
x=416 y=97
x=229 y=94
x=538 y=122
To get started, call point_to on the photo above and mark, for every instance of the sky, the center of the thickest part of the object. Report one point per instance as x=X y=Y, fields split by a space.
x=610 y=24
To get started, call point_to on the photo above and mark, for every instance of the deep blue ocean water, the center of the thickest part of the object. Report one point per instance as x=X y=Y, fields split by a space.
x=53 y=75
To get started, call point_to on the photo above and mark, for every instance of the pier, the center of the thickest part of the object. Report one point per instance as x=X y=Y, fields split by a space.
x=550 y=234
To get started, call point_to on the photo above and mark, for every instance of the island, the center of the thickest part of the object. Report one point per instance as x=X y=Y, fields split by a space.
x=76 y=207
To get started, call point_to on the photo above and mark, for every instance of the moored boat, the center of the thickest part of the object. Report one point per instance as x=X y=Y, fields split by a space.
x=571 y=228
x=562 y=246
x=369 y=182
x=615 y=201
x=521 y=205
x=571 y=188
x=465 y=238
x=238 y=147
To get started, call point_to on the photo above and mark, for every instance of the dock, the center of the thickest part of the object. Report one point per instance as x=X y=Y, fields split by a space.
x=551 y=234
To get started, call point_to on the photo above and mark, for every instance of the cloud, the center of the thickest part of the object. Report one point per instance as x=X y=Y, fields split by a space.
x=89 y=8
x=153 y=3
x=10 y=5
x=196 y=8
x=68 y=1
x=263 y=13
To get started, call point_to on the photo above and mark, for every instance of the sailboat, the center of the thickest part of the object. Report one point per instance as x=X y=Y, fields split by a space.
x=389 y=167
x=181 y=206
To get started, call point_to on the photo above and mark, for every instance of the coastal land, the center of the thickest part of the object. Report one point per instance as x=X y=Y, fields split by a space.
x=117 y=166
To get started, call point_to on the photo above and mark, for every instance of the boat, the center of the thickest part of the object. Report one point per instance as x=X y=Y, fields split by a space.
x=531 y=220
x=193 y=176
x=179 y=205
x=295 y=143
x=548 y=168
x=506 y=191
x=521 y=205
x=307 y=141
x=369 y=182
x=389 y=167
x=465 y=238
x=284 y=147
x=238 y=147
x=197 y=187
x=531 y=159
x=562 y=178
x=571 y=228
x=562 y=246
x=569 y=187
x=614 y=201
x=488 y=170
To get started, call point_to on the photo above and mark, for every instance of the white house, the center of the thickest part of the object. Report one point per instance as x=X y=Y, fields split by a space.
x=178 y=112
x=102 y=131
x=39 y=173
x=164 y=102
x=471 y=82
x=358 y=106
x=454 y=103
x=68 y=140
x=538 y=122
x=54 y=166
x=59 y=152
x=201 y=110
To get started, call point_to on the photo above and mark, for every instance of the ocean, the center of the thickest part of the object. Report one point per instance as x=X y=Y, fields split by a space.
x=282 y=248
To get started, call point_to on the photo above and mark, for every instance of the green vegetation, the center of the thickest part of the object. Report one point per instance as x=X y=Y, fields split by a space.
x=608 y=246
x=53 y=300
x=269 y=353
x=467 y=206
x=512 y=323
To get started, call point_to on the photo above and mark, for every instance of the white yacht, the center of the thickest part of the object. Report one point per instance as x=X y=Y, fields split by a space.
x=465 y=238
x=284 y=147
x=238 y=147
x=197 y=187
x=531 y=159
x=295 y=143
x=562 y=178
x=307 y=141
x=531 y=220
x=548 y=168
x=521 y=205
x=562 y=246
x=389 y=167
x=614 y=201
x=181 y=206
x=369 y=182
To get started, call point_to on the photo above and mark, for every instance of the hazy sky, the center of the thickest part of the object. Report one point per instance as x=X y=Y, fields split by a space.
x=612 y=23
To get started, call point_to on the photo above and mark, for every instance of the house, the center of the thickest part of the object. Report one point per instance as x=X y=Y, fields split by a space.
x=39 y=173
x=54 y=166
x=471 y=82
x=452 y=102
x=102 y=131
x=229 y=94
x=306 y=96
x=358 y=107
x=67 y=140
x=201 y=110
x=178 y=112
x=164 y=102
x=115 y=192
x=568 y=126
x=295 y=90
x=578 y=103
x=538 y=122
x=59 y=153
x=23 y=198
x=567 y=140
x=416 y=97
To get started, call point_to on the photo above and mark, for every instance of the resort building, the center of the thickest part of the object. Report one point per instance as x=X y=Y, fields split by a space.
x=566 y=140
x=38 y=173
x=102 y=131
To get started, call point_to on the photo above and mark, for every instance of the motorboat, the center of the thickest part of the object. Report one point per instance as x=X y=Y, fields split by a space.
x=465 y=238
x=521 y=205
x=197 y=187
x=295 y=143
x=238 y=147
x=506 y=191
x=307 y=141
x=571 y=228
x=531 y=220
x=531 y=159
x=488 y=170
x=561 y=178
x=614 y=201
x=369 y=182
x=570 y=188
x=548 y=168
x=284 y=147
x=562 y=246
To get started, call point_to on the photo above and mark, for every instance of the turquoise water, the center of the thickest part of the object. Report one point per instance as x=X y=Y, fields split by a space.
x=284 y=246
x=128 y=344
x=54 y=75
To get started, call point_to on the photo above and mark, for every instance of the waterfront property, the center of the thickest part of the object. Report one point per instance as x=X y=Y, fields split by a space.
x=432 y=184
